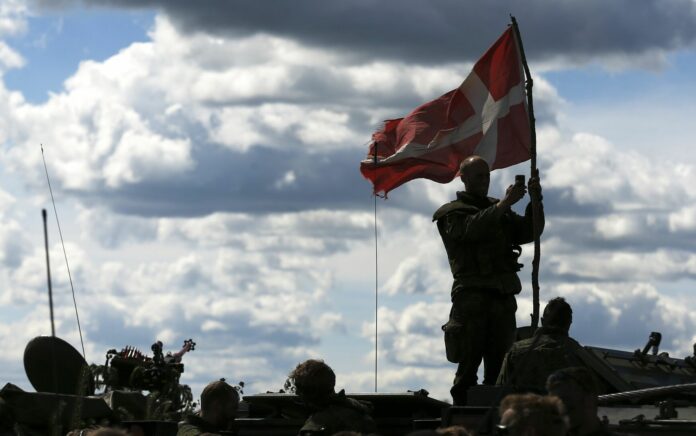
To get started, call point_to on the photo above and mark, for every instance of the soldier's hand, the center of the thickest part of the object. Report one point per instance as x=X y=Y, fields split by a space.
x=534 y=187
x=513 y=194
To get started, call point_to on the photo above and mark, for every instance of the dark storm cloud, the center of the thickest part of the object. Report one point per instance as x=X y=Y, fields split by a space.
x=247 y=182
x=438 y=31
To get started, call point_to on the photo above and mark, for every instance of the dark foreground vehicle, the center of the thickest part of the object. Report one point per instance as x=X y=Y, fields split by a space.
x=643 y=393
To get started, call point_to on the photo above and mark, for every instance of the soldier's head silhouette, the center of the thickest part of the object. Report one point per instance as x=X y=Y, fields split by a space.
x=557 y=314
x=531 y=414
x=219 y=403
x=314 y=380
x=476 y=175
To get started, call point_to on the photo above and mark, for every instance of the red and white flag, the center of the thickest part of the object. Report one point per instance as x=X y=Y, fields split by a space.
x=486 y=116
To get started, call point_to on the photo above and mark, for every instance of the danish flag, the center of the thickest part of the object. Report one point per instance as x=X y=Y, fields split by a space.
x=486 y=116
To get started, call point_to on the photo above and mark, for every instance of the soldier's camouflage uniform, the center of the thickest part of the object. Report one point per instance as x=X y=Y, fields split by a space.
x=531 y=361
x=482 y=245
x=342 y=414
x=194 y=425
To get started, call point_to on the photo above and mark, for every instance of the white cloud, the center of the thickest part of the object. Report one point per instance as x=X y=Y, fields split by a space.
x=598 y=172
x=10 y=58
x=13 y=17
x=660 y=264
x=622 y=314
x=140 y=153
x=683 y=220
x=6 y=201
x=112 y=230
x=412 y=336
x=311 y=232
x=287 y=180
x=331 y=321
x=617 y=226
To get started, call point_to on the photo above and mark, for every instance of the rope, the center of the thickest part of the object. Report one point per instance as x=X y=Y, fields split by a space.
x=60 y=232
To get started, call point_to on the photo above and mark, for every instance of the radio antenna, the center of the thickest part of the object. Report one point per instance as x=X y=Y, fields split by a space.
x=60 y=232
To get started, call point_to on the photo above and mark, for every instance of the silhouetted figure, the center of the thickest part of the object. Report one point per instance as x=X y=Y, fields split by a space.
x=314 y=383
x=482 y=237
x=219 y=403
x=532 y=415
x=531 y=361
x=7 y=421
x=577 y=388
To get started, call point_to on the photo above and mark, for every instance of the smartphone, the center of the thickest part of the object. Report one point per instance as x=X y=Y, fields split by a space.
x=519 y=179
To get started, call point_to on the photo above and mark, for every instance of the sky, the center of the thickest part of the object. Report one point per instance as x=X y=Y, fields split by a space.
x=204 y=162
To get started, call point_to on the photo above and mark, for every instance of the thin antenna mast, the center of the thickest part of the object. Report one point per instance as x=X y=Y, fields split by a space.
x=48 y=273
x=376 y=278
x=376 y=293
x=65 y=254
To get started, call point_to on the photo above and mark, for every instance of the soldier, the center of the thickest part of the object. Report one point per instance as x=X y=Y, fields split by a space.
x=577 y=388
x=7 y=422
x=530 y=361
x=532 y=415
x=314 y=383
x=219 y=403
x=482 y=236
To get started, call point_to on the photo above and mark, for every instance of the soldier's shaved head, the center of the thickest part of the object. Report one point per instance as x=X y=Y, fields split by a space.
x=476 y=175
x=472 y=162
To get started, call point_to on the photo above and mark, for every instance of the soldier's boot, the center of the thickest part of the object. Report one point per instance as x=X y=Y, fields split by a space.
x=458 y=393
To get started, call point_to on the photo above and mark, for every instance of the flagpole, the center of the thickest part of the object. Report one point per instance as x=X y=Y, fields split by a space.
x=536 y=211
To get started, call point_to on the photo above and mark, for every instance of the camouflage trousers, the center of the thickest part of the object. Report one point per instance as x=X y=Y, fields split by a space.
x=481 y=326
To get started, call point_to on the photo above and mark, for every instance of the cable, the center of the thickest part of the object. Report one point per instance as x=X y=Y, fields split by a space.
x=65 y=254
x=376 y=292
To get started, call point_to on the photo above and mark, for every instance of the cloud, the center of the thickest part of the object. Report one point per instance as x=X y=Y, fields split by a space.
x=187 y=125
x=577 y=31
x=400 y=379
x=600 y=196
x=111 y=230
x=612 y=266
x=683 y=220
x=13 y=18
x=13 y=22
x=168 y=136
x=252 y=306
x=413 y=336
x=622 y=315
x=9 y=58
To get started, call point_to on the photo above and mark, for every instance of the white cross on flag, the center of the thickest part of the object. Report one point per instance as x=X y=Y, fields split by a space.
x=486 y=116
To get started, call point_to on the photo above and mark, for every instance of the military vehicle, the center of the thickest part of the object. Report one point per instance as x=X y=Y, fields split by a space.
x=644 y=392
x=138 y=391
